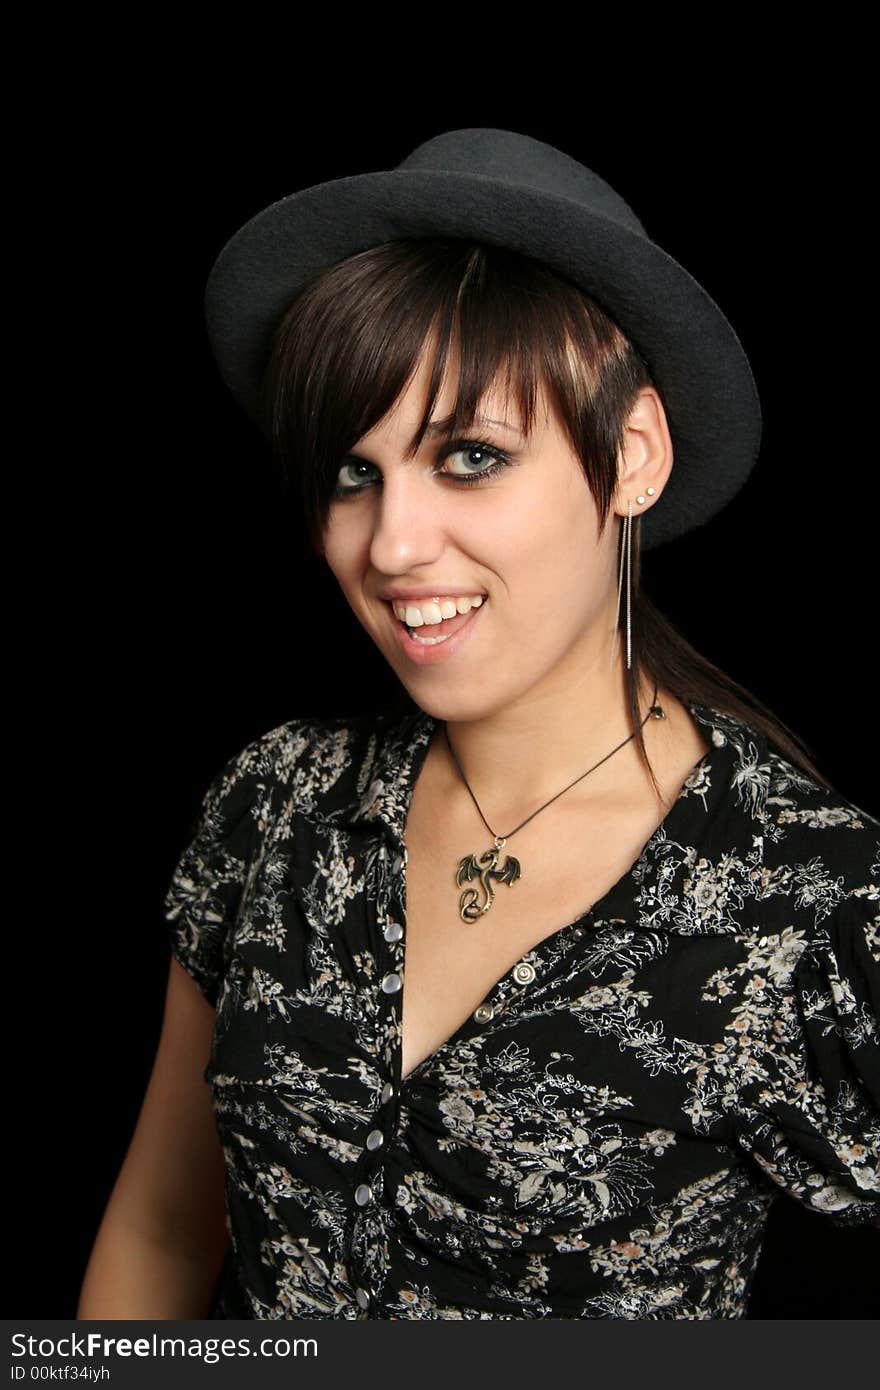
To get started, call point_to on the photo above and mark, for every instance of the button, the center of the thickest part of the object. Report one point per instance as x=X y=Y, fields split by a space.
x=391 y=983
x=387 y=1092
x=363 y=1193
x=523 y=973
x=375 y=1139
x=393 y=931
x=483 y=1013
x=397 y=865
x=362 y=1297
x=578 y=931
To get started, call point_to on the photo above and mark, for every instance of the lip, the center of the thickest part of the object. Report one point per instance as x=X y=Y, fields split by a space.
x=402 y=595
x=443 y=651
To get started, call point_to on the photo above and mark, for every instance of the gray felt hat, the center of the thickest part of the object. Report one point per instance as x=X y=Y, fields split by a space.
x=514 y=191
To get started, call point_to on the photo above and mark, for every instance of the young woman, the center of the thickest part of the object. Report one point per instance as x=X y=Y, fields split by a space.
x=527 y=996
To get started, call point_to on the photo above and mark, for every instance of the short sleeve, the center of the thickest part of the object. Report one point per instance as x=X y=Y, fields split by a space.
x=811 y=1115
x=205 y=893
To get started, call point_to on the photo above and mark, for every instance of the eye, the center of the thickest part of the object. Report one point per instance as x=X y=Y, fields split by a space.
x=476 y=446
x=500 y=461
x=343 y=487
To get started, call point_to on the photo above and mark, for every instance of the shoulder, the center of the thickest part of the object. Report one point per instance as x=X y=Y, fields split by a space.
x=316 y=762
x=820 y=883
x=804 y=856
x=797 y=818
x=823 y=836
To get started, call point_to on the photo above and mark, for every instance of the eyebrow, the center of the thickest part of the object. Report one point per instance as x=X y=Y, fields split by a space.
x=443 y=427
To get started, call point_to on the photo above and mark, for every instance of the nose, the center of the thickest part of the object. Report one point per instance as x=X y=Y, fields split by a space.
x=408 y=523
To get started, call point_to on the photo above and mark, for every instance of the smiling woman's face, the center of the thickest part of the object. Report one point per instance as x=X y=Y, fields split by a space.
x=526 y=537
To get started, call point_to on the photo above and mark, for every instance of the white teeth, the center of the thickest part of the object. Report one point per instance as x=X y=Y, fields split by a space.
x=433 y=611
x=429 y=641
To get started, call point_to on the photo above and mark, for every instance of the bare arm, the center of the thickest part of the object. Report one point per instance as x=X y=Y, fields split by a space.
x=162 y=1239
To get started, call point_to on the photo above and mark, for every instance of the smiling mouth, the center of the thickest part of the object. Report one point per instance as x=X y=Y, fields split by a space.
x=430 y=633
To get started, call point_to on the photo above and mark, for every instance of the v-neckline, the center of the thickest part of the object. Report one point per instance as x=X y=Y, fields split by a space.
x=421 y=731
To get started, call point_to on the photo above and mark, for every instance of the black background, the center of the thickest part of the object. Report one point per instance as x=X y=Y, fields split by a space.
x=164 y=607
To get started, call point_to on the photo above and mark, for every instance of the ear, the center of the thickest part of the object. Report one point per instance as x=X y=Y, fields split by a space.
x=646 y=460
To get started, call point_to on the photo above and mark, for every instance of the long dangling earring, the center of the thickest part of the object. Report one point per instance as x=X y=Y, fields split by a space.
x=626 y=564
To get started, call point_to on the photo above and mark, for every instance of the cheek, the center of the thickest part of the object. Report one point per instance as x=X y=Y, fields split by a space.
x=342 y=549
x=549 y=545
x=553 y=573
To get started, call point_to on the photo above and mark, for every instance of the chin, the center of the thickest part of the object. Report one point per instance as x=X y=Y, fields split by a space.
x=453 y=709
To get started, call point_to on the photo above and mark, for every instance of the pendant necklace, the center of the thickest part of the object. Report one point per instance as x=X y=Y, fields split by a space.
x=485 y=866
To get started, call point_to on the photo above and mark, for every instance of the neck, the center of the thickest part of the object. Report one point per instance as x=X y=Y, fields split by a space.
x=518 y=757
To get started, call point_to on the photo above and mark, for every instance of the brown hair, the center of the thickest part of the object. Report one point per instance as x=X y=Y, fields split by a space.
x=348 y=344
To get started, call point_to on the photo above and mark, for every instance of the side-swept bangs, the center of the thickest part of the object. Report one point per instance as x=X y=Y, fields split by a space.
x=352 y=339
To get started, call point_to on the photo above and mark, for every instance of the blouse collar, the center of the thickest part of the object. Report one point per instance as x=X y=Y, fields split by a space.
x=737 y=758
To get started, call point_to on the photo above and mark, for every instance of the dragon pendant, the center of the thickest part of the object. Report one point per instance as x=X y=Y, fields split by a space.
x=485 y=869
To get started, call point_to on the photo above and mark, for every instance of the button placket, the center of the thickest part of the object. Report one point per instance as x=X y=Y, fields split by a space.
x=522 y=974
x=368 y=1191
x=362 y=1289
x=391 y=918
x=501 y=994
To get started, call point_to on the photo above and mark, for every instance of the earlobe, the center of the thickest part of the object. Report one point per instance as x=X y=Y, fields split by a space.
x=635 y=504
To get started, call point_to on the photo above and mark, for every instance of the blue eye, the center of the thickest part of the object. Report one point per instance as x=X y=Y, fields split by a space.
x=455 y=446
x=341 y=489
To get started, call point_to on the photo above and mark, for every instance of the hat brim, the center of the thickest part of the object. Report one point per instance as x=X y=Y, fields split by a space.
x=692 y=351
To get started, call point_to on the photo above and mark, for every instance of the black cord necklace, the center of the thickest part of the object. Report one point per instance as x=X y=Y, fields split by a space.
x=485 y=866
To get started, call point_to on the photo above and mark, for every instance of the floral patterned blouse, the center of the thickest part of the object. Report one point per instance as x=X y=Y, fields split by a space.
x=604 y=1135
